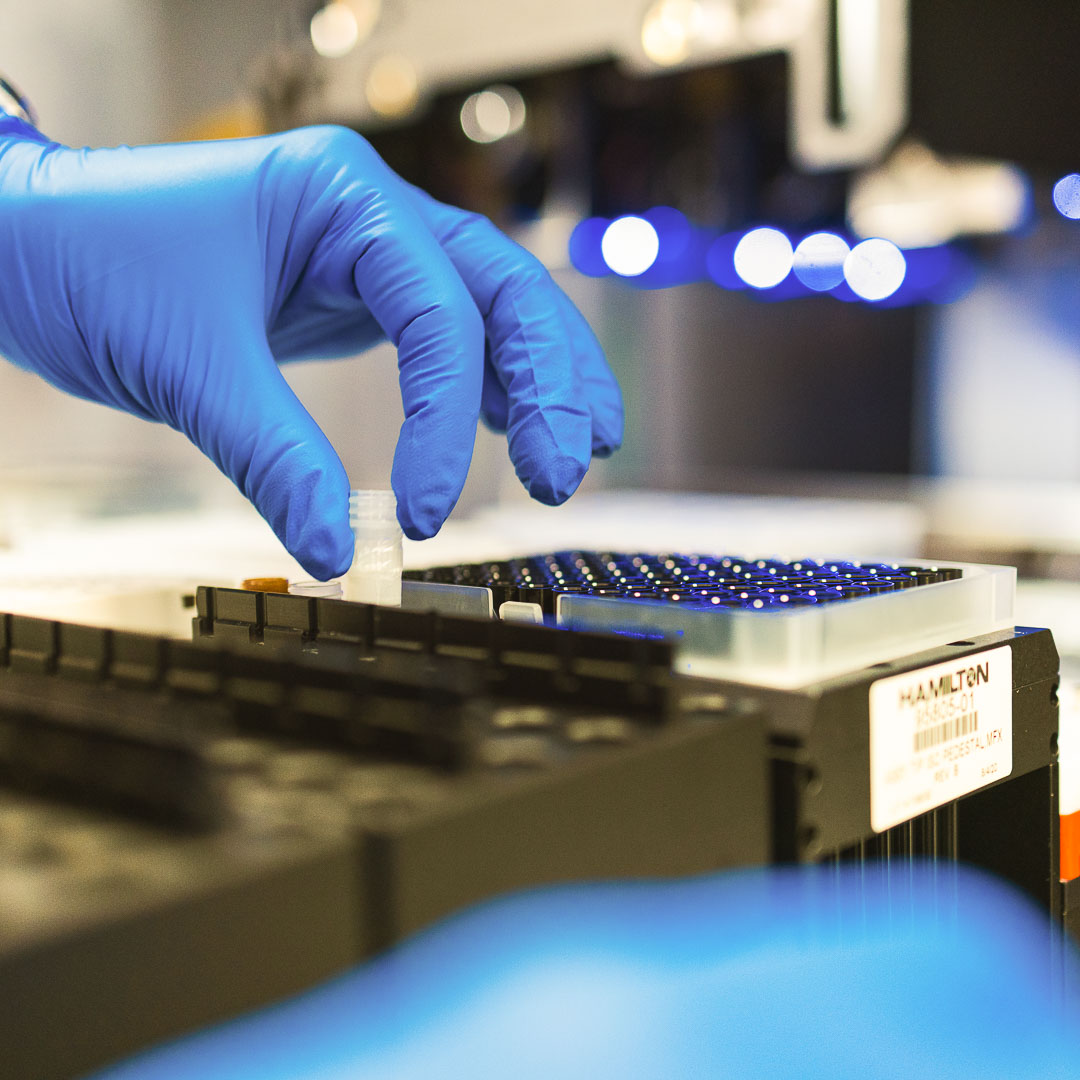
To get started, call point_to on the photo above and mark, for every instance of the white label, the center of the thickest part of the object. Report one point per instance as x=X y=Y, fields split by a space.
x=1069 y=748
x=938 y=733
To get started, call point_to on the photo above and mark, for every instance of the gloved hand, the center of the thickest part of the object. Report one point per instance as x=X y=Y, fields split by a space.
x=169 y=281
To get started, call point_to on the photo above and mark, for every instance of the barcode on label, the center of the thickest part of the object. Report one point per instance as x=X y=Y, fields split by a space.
x=951 y=729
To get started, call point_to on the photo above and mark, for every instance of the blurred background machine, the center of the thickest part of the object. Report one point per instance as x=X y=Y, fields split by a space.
x=919 y=396
x=941 y=128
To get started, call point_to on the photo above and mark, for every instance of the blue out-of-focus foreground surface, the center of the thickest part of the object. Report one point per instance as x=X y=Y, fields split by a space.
x=812 y=972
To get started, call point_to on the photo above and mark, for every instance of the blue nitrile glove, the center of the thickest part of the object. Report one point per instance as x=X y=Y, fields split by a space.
x=169 y=281
x=830 y=973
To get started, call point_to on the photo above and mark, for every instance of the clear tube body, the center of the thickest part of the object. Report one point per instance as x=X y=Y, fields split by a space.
x=329 y=589
x=375 y=575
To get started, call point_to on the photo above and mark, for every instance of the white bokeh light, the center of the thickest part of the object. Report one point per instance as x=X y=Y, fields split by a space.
x=763 y=258
x=392 y=85
x=630 y=246
x=668 y=30
x=334 y=29
x=492 y=114
x=819 y=260
x=875 y=269
x=1067 y=196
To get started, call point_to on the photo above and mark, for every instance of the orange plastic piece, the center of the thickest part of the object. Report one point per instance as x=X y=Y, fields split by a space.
x=1070 y=846
x=266 y=584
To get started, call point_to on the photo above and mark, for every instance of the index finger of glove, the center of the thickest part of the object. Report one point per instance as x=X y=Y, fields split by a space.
x=409 y=284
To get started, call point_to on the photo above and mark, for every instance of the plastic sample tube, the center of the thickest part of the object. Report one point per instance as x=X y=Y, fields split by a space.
x=375 y=575
x=330 y=590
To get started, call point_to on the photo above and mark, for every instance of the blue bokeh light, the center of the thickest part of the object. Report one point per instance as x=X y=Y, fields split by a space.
x=791 y=288
x=674 y=230
x=1067 y=196
x=763 y=258
x=720 y=261
x=928 y=268
x=935 y=275
x=819 y=260
x=681 y=256
x=875 y=269
x=585 y=253
x=843 y=293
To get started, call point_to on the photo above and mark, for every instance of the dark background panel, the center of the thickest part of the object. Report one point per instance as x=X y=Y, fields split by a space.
x=999 y=78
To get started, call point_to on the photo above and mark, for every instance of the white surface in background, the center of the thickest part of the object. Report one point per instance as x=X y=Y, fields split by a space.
x=130 y=571
x=91 y=70
x=1056 y=604
x=1004 y=399
x=1069 y=746
x=750 y=525
x=1010 y=515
